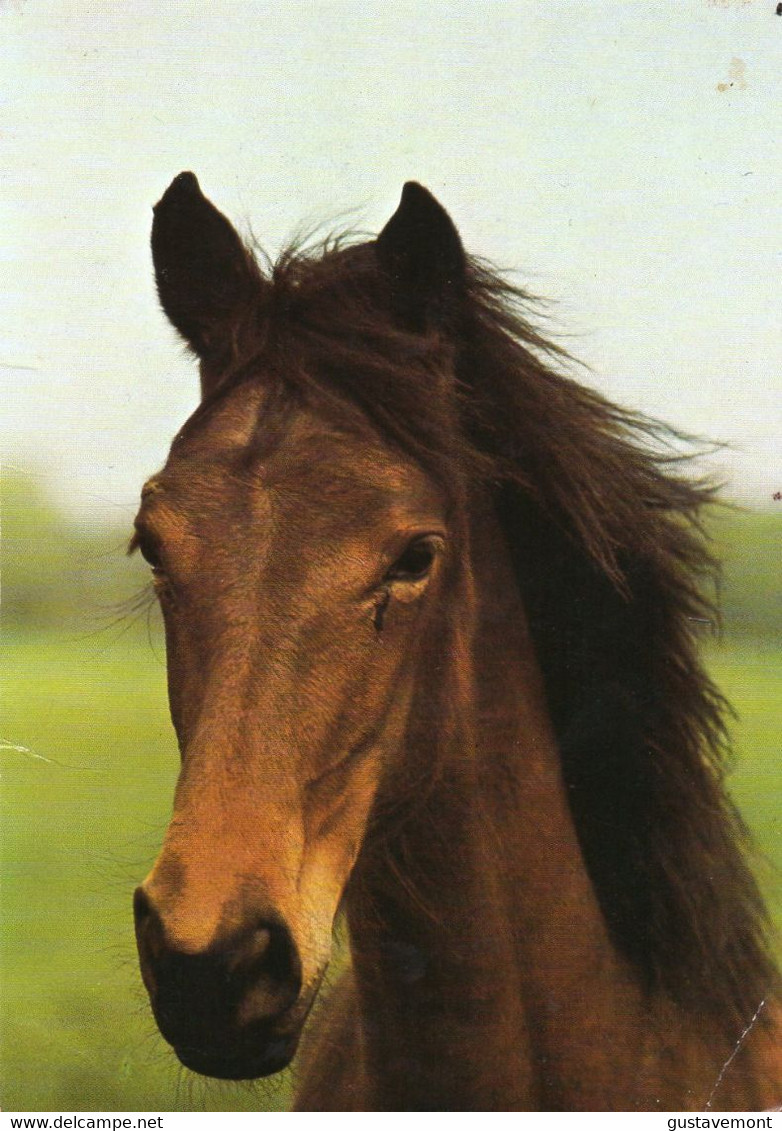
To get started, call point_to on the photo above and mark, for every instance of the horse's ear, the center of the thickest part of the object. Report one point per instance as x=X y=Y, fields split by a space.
x=206 y=278
x=422 y=253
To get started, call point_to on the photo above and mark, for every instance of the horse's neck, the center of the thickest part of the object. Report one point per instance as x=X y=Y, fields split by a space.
x=585 y=1011
x=479 y=949
x=582 y=1005
x=485 y=975
x=435 y=969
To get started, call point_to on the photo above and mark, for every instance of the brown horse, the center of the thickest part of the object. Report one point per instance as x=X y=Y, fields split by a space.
x=431 y=611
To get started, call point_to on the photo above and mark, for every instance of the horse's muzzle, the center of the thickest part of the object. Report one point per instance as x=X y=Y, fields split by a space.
x=232 y=1009
x=263 y=1057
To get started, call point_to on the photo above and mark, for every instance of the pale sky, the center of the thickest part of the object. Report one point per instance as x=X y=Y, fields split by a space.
x=623 y=157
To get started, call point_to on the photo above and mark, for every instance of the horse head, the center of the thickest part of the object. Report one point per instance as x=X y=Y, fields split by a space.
x=301 y=562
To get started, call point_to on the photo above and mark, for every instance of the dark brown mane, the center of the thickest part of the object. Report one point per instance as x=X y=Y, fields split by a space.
x=610 y=556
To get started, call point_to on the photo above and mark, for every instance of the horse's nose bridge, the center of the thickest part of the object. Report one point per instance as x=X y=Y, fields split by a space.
x=194 y=919
x=238 y=776
x=233 y=845
x=218 y=870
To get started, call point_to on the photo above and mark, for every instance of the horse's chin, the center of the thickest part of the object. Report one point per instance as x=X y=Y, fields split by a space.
x=262 y=1059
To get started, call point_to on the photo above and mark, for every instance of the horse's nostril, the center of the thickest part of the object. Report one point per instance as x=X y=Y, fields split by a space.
x=149 y=933
x=149 y=937
x=141 y=906
x=270 y=961
x=248 y=951
x=261 y=939
x=270 y=974
x=149 y=925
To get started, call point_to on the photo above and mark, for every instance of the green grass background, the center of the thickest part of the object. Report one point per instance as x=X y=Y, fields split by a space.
x=88 y=766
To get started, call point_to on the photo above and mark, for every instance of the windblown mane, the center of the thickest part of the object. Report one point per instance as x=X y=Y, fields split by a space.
x=610 y=555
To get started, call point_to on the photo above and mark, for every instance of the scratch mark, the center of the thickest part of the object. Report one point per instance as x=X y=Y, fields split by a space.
x=16 y=748
x=19 y=365
x=734 y=1054
x=23 y=750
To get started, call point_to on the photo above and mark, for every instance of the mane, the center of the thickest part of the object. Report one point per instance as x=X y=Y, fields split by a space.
x=605 y=532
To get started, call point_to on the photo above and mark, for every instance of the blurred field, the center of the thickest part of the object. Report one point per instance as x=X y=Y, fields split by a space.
x=88 y=766
x=750 y=674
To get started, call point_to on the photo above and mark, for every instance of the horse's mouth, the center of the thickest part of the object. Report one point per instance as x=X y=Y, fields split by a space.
x=263 y=1059
x=260 y=1049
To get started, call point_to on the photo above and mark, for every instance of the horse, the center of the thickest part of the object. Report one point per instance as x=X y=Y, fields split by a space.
x=432 y=613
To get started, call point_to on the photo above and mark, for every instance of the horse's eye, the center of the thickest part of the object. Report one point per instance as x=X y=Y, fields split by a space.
x=149 y=551
x=415 y=563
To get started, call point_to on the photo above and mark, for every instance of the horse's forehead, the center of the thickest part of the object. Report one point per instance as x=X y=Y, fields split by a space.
x=246 y=447
x=339 y=458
